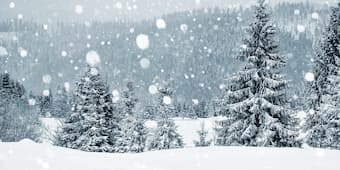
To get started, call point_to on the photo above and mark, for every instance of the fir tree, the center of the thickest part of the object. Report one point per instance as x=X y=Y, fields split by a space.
x=166 y=135
x=17 y=119
x=323 y=127
x=255 y=101
x=202 y=133
x=129 y=99
x=94 y=124
x=61 y=104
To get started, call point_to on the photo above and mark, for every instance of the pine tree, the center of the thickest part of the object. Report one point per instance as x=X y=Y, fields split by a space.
x=17 y=119
x=255 y=101
x=129 y=99
x=46 y=104
x=133 y=126
x=94 y=124
x=202 y=133
x=61 y=104
x=166 y=135
x=323 y=127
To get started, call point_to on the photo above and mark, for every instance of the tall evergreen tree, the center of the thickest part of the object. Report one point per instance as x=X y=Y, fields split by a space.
x=323 y=127
x=166 y=135
x=94 y=124
x=255 y=101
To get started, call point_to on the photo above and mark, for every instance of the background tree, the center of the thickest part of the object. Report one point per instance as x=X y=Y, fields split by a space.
x=17 y=119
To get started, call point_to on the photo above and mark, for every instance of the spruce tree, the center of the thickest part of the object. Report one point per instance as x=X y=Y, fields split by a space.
x=133 y=126
x=323 y=127
x=165 y=135
x=61 y=104
x=202 y=133
x=255 y=101
x=17 y=119
x=94 y=124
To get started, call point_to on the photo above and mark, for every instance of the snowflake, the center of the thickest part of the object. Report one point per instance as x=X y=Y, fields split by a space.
x=20 y=16
x=296 y=12
x=92 y=58
x=3 y=51
x=167 y=100
x=32 y=102
x=79 y=9
x=301 y=28
x=142 y=41
x=115 y=96
x=11 y=5
x=67 y=86
x=46 y=93
x=63 y=53
x=153 y=89
x=23 y=53
x=315 y=15
x=145 y=63
x=184 y=28
x=160 y=23
x=309 y=77
x=195 y=101
x=47 y=79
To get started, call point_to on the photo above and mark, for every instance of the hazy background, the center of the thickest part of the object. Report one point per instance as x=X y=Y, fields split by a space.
x=104 y=10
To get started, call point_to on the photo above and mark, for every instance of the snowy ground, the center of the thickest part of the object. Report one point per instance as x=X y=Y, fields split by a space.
x=27 y=155
x=186 y=127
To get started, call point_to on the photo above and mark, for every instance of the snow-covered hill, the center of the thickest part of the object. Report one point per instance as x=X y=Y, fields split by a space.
x=27 y=155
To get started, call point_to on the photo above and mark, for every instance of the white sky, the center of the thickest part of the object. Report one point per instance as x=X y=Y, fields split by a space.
x=113 y=9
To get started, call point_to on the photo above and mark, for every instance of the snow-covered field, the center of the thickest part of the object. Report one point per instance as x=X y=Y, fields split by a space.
x=186 y=127
x=27 y=155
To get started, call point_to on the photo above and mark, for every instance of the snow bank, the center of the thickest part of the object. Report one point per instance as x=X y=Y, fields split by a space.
x=27 y=155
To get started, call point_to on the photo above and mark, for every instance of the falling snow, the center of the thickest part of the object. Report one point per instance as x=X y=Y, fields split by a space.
x=160 y=23
x=309 y=76
x=145 y=63
x=167 y=100
x=3 y=51
x=92 y=58
x=142 y=41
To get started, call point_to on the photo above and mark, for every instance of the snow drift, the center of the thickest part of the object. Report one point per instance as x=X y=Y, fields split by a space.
x=27 y=155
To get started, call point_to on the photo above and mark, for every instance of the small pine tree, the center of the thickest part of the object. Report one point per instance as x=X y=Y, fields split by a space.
x=134 y=131
x=61 y=104
x=323 y=127
x=166 y=135
x=135 y=135
x=129 y=99
x=202 y=133
x=255 y=101
x=94 y=124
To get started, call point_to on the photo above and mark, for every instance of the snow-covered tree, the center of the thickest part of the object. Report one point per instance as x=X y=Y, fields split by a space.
x=17 y=119
x=202 y=133
x=94 y=124
x=129 y=99
x=255 y=101
x=61 y=104
x=46 y=103
x=323 y=127
x=135 y=135
x=165 y=135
